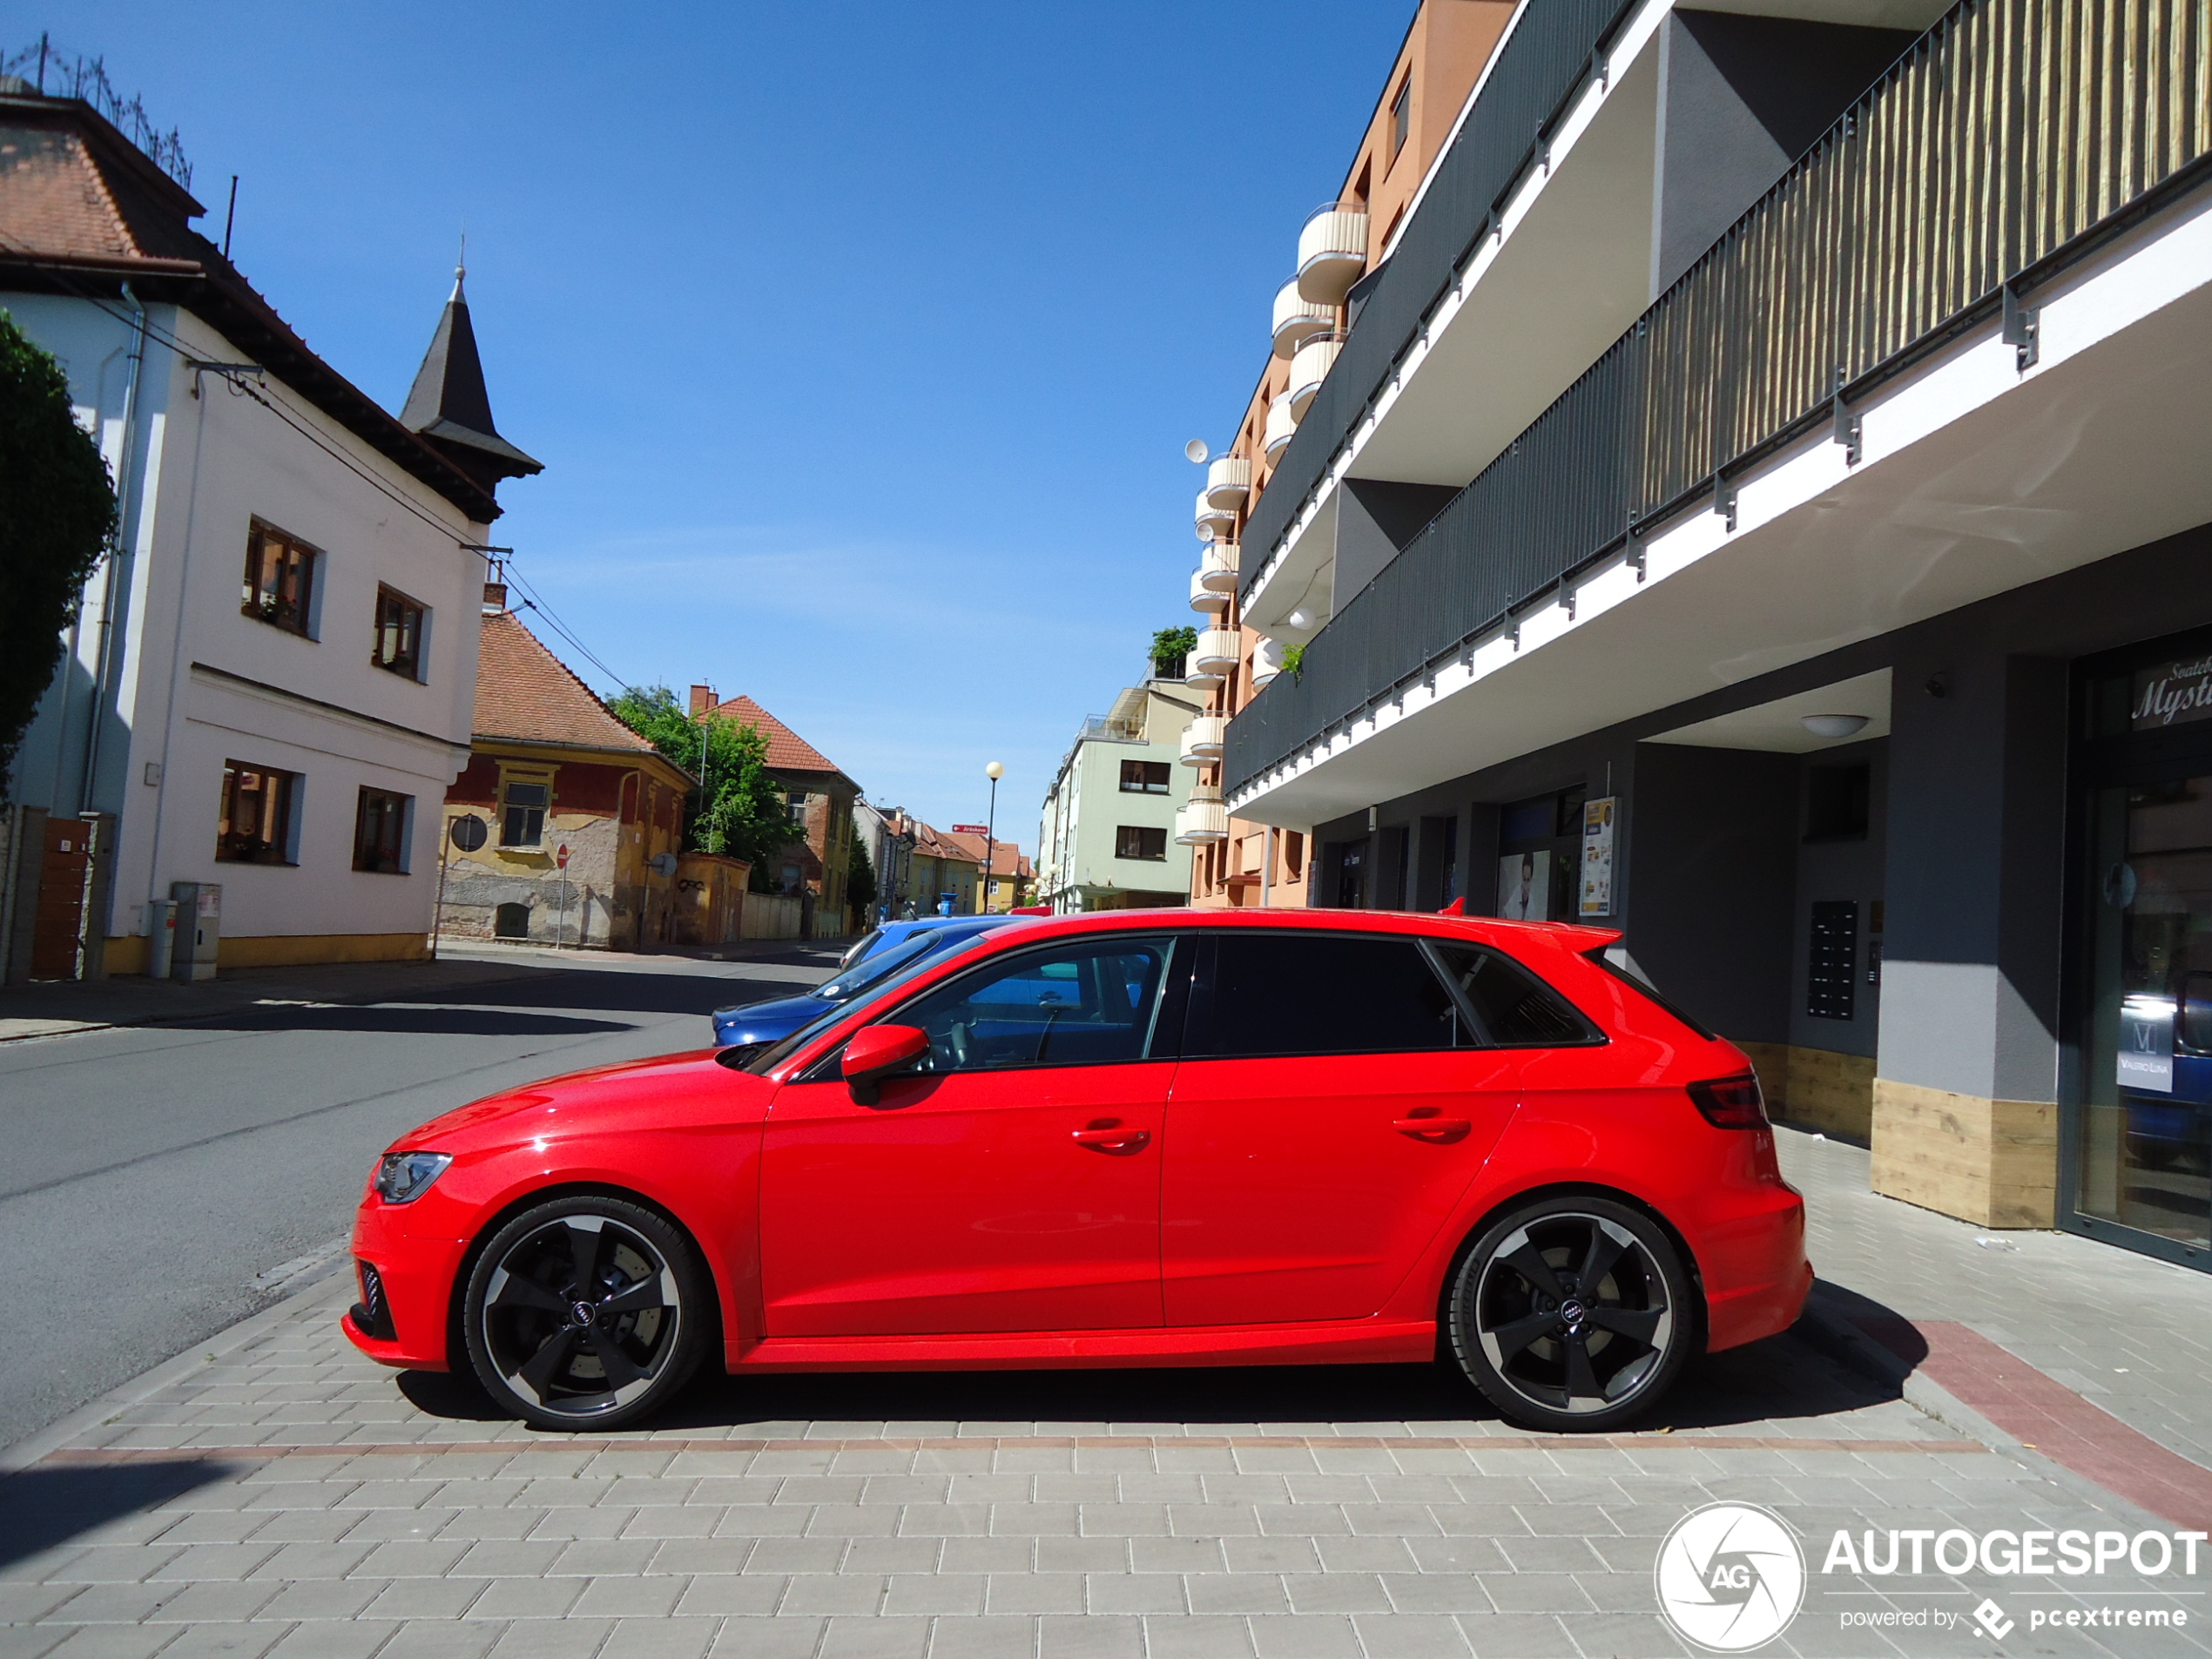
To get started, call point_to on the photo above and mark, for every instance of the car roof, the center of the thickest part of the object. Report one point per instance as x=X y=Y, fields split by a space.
x=1440 y=924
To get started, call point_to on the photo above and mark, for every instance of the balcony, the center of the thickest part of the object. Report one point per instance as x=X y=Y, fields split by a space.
x=1201 y=740
x=1309 y=368
x=1217 y=567
x=1296 y=317
x=1778 y=429
x=1282 y=426
x=1212 y=601
x=1214 y=523
x=1331 y=251
x=1267 y=661
x=1204 y=821
x=1229 y=481
x=1216 y=656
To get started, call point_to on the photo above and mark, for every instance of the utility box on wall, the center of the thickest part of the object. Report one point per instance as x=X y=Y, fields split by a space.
x=200 y=929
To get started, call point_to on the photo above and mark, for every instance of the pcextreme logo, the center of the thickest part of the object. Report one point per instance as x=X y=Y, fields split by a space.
x=1730 y=1577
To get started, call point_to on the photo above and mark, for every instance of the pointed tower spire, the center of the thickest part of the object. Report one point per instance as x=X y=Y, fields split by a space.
x=448 y=403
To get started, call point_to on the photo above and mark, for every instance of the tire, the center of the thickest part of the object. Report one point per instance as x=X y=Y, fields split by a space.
x=615 y=1353
x=1546 y=1347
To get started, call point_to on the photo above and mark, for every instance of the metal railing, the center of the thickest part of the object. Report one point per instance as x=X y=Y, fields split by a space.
x=2011 y=140
x=1552 y=52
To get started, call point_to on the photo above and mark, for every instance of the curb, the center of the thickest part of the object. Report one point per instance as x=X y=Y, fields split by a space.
x=33 y=1447
x=1828 y=1332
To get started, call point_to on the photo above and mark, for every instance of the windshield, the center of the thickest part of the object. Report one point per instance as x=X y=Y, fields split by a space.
x=766 y=1059
x=869 y=969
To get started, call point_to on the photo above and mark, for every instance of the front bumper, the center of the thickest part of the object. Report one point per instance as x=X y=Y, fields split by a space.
x=416 y=1275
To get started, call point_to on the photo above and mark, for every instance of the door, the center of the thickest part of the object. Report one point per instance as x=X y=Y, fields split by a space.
x=1334 y=1101
x=1012 y=1185
x=2144 y=1156
x=61 y=898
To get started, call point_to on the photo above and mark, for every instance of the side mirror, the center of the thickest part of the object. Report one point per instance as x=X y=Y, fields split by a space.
x=878 y=1051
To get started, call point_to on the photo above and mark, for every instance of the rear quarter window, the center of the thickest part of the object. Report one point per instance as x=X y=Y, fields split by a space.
x=1636 y=982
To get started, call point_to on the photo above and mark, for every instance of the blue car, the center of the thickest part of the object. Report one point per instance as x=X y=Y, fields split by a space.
x=774 y=1020
x=895 y=933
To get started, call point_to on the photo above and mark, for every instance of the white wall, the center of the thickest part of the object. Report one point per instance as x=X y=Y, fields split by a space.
x=208 y=464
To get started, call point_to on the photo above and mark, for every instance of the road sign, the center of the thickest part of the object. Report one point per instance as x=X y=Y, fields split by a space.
x=561 y=858
x=469 y=832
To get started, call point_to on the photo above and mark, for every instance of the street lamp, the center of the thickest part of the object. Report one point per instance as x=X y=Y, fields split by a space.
x=994 y=772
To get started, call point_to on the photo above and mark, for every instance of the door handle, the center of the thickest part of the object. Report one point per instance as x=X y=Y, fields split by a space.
x=1426 y=1125
x=1108 y=1134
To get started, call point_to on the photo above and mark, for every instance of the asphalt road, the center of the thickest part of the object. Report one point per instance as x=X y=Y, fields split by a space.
x=161 y=1182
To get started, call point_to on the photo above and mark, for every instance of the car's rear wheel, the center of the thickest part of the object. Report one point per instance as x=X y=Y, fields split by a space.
x=586 y=1313
x=1573 y=1314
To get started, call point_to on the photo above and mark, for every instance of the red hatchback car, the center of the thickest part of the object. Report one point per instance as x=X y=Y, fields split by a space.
x=1146 y=1138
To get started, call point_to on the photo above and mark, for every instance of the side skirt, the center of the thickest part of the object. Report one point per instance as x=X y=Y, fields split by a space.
x=1366 y=1342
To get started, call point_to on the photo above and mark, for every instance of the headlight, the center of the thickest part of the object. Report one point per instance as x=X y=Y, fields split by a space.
x=403 y=1177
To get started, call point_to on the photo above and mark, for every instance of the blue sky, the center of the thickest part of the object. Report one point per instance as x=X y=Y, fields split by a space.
x=860 y=341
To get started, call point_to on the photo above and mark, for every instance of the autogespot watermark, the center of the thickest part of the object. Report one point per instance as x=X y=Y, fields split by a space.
x=1731 y=1577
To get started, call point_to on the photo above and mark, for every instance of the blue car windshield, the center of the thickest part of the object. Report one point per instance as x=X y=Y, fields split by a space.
x=774 y=1055
x=870 y=969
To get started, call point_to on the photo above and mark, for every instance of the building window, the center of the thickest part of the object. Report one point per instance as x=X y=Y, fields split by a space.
x=1146 y=776
x=258 y=804
x=522 y=818
x=1135 y=841
x=797 y=800
x=399 y=634
x=379 y=832
x=511 y=920
x=280 y=581
x=1401 y=117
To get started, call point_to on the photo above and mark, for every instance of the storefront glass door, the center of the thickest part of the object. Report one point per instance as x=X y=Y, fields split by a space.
x=2143 y=1148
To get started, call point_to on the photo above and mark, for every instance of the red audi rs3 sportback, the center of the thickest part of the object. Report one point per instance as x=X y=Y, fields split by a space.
x=1170 y=1138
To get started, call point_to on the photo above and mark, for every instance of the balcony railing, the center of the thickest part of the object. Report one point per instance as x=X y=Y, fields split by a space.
x=2002 y=148
x=1229 y=481
x=1309 y=368
x=1201 y=740
x=1331 y=251
x=1296 y=317
x=1210 y=663
x=1217 y=567
x=1214 y=523
x=1282 y=426
x=1203 y=821
x=1553 y=51
x=1211 y=600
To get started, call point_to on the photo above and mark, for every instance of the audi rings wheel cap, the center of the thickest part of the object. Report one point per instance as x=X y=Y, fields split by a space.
x=1573 y=1314
x=586 y=1312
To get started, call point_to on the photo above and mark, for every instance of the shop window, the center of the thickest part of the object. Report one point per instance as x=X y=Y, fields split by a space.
x=1837 y=802
x=1147 y=778
x=379 y=832
x=259 y=815
x=399 y=634
x=280 y=581
x=511 y=920
x=1135 y=842
x=522 y=812
x=1831 y=968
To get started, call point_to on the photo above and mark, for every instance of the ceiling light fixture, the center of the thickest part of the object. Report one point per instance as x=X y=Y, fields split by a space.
x=1834 y=726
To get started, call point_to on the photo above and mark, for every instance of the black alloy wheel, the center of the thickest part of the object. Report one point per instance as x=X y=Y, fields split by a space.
x=1573 y=1314
x=586 y=1313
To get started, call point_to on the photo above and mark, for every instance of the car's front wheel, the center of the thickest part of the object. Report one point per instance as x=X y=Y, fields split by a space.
x=586 y=1313
x=1573 y=1314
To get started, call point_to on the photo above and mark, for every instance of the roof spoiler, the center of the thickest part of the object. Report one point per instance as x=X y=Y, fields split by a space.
x=1457 y=908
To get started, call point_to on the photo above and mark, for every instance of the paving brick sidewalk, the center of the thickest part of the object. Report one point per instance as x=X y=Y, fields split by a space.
x=2132 y=1334
x=285 y=1496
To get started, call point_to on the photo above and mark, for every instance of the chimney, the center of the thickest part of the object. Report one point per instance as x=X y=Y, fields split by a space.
x=495 y=598
x=702 y=700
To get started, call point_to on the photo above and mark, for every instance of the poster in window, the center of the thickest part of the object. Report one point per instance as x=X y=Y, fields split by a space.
x=1597 y=857
x=1525 y=887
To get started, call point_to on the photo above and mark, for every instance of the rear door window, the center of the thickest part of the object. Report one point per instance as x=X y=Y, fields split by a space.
x=1280 y=992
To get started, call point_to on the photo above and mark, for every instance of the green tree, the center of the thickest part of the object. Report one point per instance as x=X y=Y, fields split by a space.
x=860 y=880
x=739 y=811
x=1169 y=647
x=56 y=516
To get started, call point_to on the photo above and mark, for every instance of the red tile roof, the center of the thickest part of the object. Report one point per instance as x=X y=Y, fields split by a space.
x=526 y=694
x=787 y=750
x=1006 y=856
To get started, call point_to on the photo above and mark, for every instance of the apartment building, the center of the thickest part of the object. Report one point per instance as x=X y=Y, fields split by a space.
x=1339 y=250
x=1124 y=811
x=1759 y=507
x=268 y=687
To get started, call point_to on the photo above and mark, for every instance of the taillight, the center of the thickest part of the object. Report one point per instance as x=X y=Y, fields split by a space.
x=1730 y=1102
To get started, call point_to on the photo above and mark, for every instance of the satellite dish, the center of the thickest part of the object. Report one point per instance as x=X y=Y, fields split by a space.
x=1197 y=450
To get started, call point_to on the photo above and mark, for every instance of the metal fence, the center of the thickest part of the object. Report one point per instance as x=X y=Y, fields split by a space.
x=2013 y=136
x=1550 y=56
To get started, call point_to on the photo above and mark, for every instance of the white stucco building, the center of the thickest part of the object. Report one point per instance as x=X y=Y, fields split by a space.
x=271 y=683
x=1117 y=833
